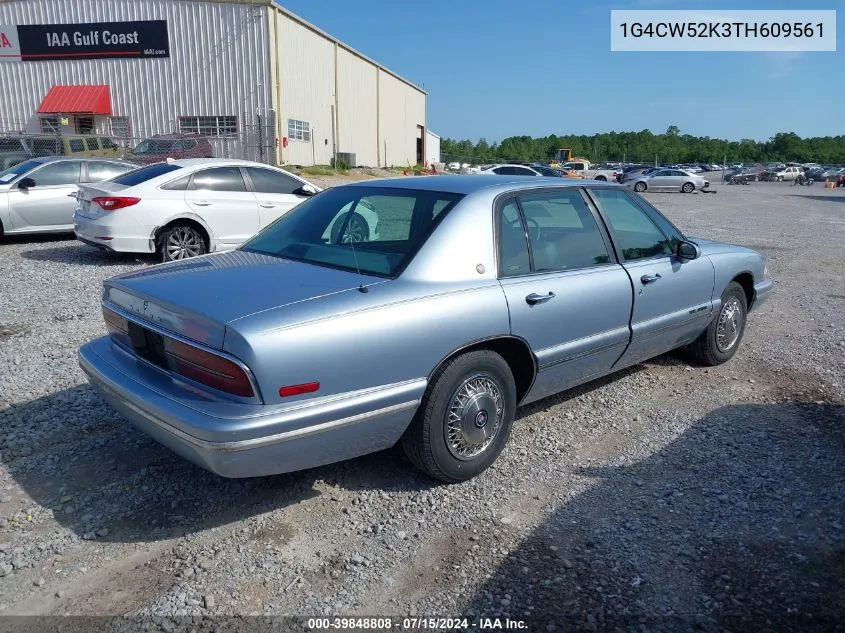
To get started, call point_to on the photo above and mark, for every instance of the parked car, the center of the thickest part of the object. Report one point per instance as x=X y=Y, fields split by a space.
x=33 y=145
x=297 y=350
x=193 y=206
x=633 y=174
x=163 y=146
x=781 y=174
x=668 y=180
x=549 y=172
x=584 y=169
x=37 y=195
x=510 y=170
x=743 y=174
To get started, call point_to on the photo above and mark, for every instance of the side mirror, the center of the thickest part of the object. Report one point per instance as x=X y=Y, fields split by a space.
x=26 y=183
x=305 y=190
x=688 y=250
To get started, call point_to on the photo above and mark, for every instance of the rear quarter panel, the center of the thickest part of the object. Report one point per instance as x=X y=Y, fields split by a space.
x=356 y=341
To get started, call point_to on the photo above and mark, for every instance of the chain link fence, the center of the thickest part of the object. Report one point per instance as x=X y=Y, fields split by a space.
x=256 y=141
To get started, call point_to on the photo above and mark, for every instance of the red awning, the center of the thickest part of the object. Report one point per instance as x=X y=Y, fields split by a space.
x=77 y=100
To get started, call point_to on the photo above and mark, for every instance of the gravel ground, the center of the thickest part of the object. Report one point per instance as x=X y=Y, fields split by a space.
x=668 y=497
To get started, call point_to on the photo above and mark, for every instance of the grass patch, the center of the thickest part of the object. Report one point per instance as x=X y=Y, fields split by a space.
x=322 y=170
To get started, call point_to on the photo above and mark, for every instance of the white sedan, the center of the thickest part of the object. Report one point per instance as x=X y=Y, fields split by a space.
x=189 y=207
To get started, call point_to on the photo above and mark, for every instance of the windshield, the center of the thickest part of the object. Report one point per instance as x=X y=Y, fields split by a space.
x=373 y=230
x=21 y=168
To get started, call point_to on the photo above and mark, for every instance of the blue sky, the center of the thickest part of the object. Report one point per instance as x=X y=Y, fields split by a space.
x=498 y=68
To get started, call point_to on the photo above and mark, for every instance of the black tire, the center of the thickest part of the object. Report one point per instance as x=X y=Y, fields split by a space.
x=780 y=178
x=688 y=187
x=355 y=229
x=181 y=241
x=601 y=178
x=425 y=441
x=640 y=187
x=707 y=348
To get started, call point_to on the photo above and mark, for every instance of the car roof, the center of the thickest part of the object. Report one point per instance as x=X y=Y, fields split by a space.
x=471 y=183
x=56 y=159
x=193 y=162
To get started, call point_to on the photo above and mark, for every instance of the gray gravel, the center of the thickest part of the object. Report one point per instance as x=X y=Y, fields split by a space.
x=669 y=497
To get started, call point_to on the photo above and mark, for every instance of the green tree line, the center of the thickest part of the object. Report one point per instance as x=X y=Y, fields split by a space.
x=646 y=147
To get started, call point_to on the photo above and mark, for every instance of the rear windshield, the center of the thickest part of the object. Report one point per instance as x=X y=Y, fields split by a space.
x=373 y=230
x=137 y=176
x=21 y=168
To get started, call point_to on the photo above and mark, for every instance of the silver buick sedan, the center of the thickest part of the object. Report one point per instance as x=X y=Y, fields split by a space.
x=479 y=294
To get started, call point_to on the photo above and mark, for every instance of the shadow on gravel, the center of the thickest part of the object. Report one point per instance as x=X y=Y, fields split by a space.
x=106 y=481
x=828 y=198
x=737 y=525
x=83 y=255
x=42 y=238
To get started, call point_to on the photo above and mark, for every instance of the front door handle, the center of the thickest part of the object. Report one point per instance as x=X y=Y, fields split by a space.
x=266 y=205
x=534 y=298
x=649 y=279
x=202 y=203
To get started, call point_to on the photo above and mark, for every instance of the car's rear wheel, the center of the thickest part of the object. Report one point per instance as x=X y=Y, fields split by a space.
x=719 y=342
x=602 y=178
x=181 y=242
x=465 y=417
x=640 y=187
x=688 y=187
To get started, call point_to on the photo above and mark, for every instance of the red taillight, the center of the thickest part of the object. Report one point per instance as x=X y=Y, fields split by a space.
x=298 y=390
x=208 y=369
x=112 y=203
x=117 y=326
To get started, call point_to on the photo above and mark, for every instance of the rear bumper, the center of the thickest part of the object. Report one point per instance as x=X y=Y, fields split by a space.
x=91 y=231
x=247 y=440
x=762 y=291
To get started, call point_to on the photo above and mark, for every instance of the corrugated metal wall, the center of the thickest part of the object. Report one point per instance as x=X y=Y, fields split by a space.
x=315 y=73
x=401 y=110
x=357 y=107
x=307 y=86
x=218 y=65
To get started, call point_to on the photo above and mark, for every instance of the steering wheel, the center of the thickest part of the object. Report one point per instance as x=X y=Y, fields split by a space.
x=516 y=223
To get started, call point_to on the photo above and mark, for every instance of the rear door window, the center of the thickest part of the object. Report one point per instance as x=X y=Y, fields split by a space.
x=91 y=144
x=98 y=170
x=563 y=233
x=76 y=145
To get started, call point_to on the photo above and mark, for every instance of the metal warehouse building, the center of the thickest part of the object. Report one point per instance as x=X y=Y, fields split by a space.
x=259 y=81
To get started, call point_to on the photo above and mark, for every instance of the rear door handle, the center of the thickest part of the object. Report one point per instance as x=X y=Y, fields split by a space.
x=648 y=279
x=534 y=298
x=266 y=205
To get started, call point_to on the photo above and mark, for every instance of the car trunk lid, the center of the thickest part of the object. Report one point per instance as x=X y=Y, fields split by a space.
x=197 y=297
x=87 y=193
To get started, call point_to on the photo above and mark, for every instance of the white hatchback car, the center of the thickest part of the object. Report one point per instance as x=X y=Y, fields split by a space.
x=188 y=207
